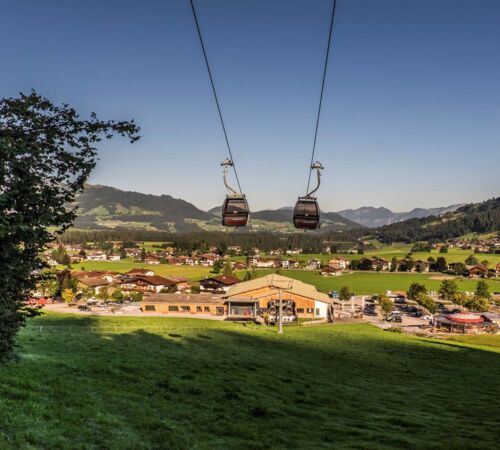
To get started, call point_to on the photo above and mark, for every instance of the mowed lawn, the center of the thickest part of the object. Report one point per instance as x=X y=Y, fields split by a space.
x=377 y=282
x=145 y=383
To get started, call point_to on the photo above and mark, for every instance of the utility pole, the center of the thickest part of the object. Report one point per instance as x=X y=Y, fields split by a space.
x=280 y=320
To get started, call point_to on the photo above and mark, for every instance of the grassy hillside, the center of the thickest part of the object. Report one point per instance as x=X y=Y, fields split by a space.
x=144 y=383
x=473 y=218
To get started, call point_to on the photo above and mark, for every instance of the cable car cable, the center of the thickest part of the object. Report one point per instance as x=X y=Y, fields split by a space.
x=214 y=92
x=330 y=33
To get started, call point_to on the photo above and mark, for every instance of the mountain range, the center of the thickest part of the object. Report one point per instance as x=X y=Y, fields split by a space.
x=104 y=207
x=376 y=217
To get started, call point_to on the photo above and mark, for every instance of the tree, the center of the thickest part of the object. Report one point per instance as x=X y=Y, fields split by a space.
x=482 y=290
x=218 y=265
x=87 y=293
x=443 y=249
x=426 y=302
x=143 y=254
x=68 y=295
x=385 y=303
x=448 y=290
x=60 y=255
x=476 y=303
x=136 y=296
x=103 y=294
x=415 y=290
x=441 y=265
x=344 y=294
x=47 y=154
x=117 y=295
x=122 y=252
x=394 y=264
x=458 y=268
x=228 y=269
x=471 y=260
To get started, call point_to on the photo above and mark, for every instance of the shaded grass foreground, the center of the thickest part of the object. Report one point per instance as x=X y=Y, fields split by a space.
x=228 y=386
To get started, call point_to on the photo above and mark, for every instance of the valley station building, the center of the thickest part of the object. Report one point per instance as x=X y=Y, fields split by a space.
x=247 y=300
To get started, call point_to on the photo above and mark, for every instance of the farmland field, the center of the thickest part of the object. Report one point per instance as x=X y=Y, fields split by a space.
x=400 y=251
x=145 y=383
x=191 y=273
x=376 y=282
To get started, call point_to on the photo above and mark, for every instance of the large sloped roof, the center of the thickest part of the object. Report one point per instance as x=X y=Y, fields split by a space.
x=243 y=289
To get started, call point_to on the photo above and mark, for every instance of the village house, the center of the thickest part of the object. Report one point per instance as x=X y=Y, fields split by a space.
x=114 y=258
x=181 y=283
x=145 y=272
x=265 y=263
x=145 y=283
x=218 y=284
x=132 y=252
x=421 y=266
x=208 y=259
x=96 y=283
x=330 y=271
x=239 y=266
x=96 y=256
x=313 y=264
x=152 y=259
x=380 y=264
x=477 y=271
x=290 y=264
x=339 y=263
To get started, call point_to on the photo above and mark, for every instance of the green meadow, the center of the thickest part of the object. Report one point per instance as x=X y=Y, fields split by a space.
x=85 y=382
x=376 y=282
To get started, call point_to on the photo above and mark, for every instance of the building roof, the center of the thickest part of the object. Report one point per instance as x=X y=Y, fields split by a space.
x=139 y=271
x=226 y=280
x=94 y=282
x=155 y=280
x=278 y=282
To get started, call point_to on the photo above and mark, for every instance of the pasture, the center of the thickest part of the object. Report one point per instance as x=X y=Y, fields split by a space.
x=365 y=283
x=192 y=273
x=153 y=383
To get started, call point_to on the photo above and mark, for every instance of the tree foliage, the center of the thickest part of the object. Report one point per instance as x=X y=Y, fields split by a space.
x=47 y=153
x=448 y=290
x=415 y=290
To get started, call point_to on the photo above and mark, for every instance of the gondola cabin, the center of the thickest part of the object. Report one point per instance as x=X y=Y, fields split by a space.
x=235 y=211
x=306 y=214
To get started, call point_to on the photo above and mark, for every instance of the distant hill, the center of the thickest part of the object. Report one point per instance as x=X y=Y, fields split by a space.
x=104 y=207
x=282 y=219
x=376 y=217
x=472 y=218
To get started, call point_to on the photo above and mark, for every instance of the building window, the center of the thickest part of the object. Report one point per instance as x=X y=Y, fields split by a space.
x=173 y=308
x=310 y=310
x=185 y=308
x=317 y=311
x=207 y=309
x=198 y=309
x=300 y=310
x=150 y=308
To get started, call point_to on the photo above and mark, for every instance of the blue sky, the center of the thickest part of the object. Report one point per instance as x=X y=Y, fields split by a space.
x=411 y=110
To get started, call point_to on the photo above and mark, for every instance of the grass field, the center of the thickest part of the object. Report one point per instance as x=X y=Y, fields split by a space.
x=376 y=282
x=400 y=251
x=191 y=273
x=193 y=384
